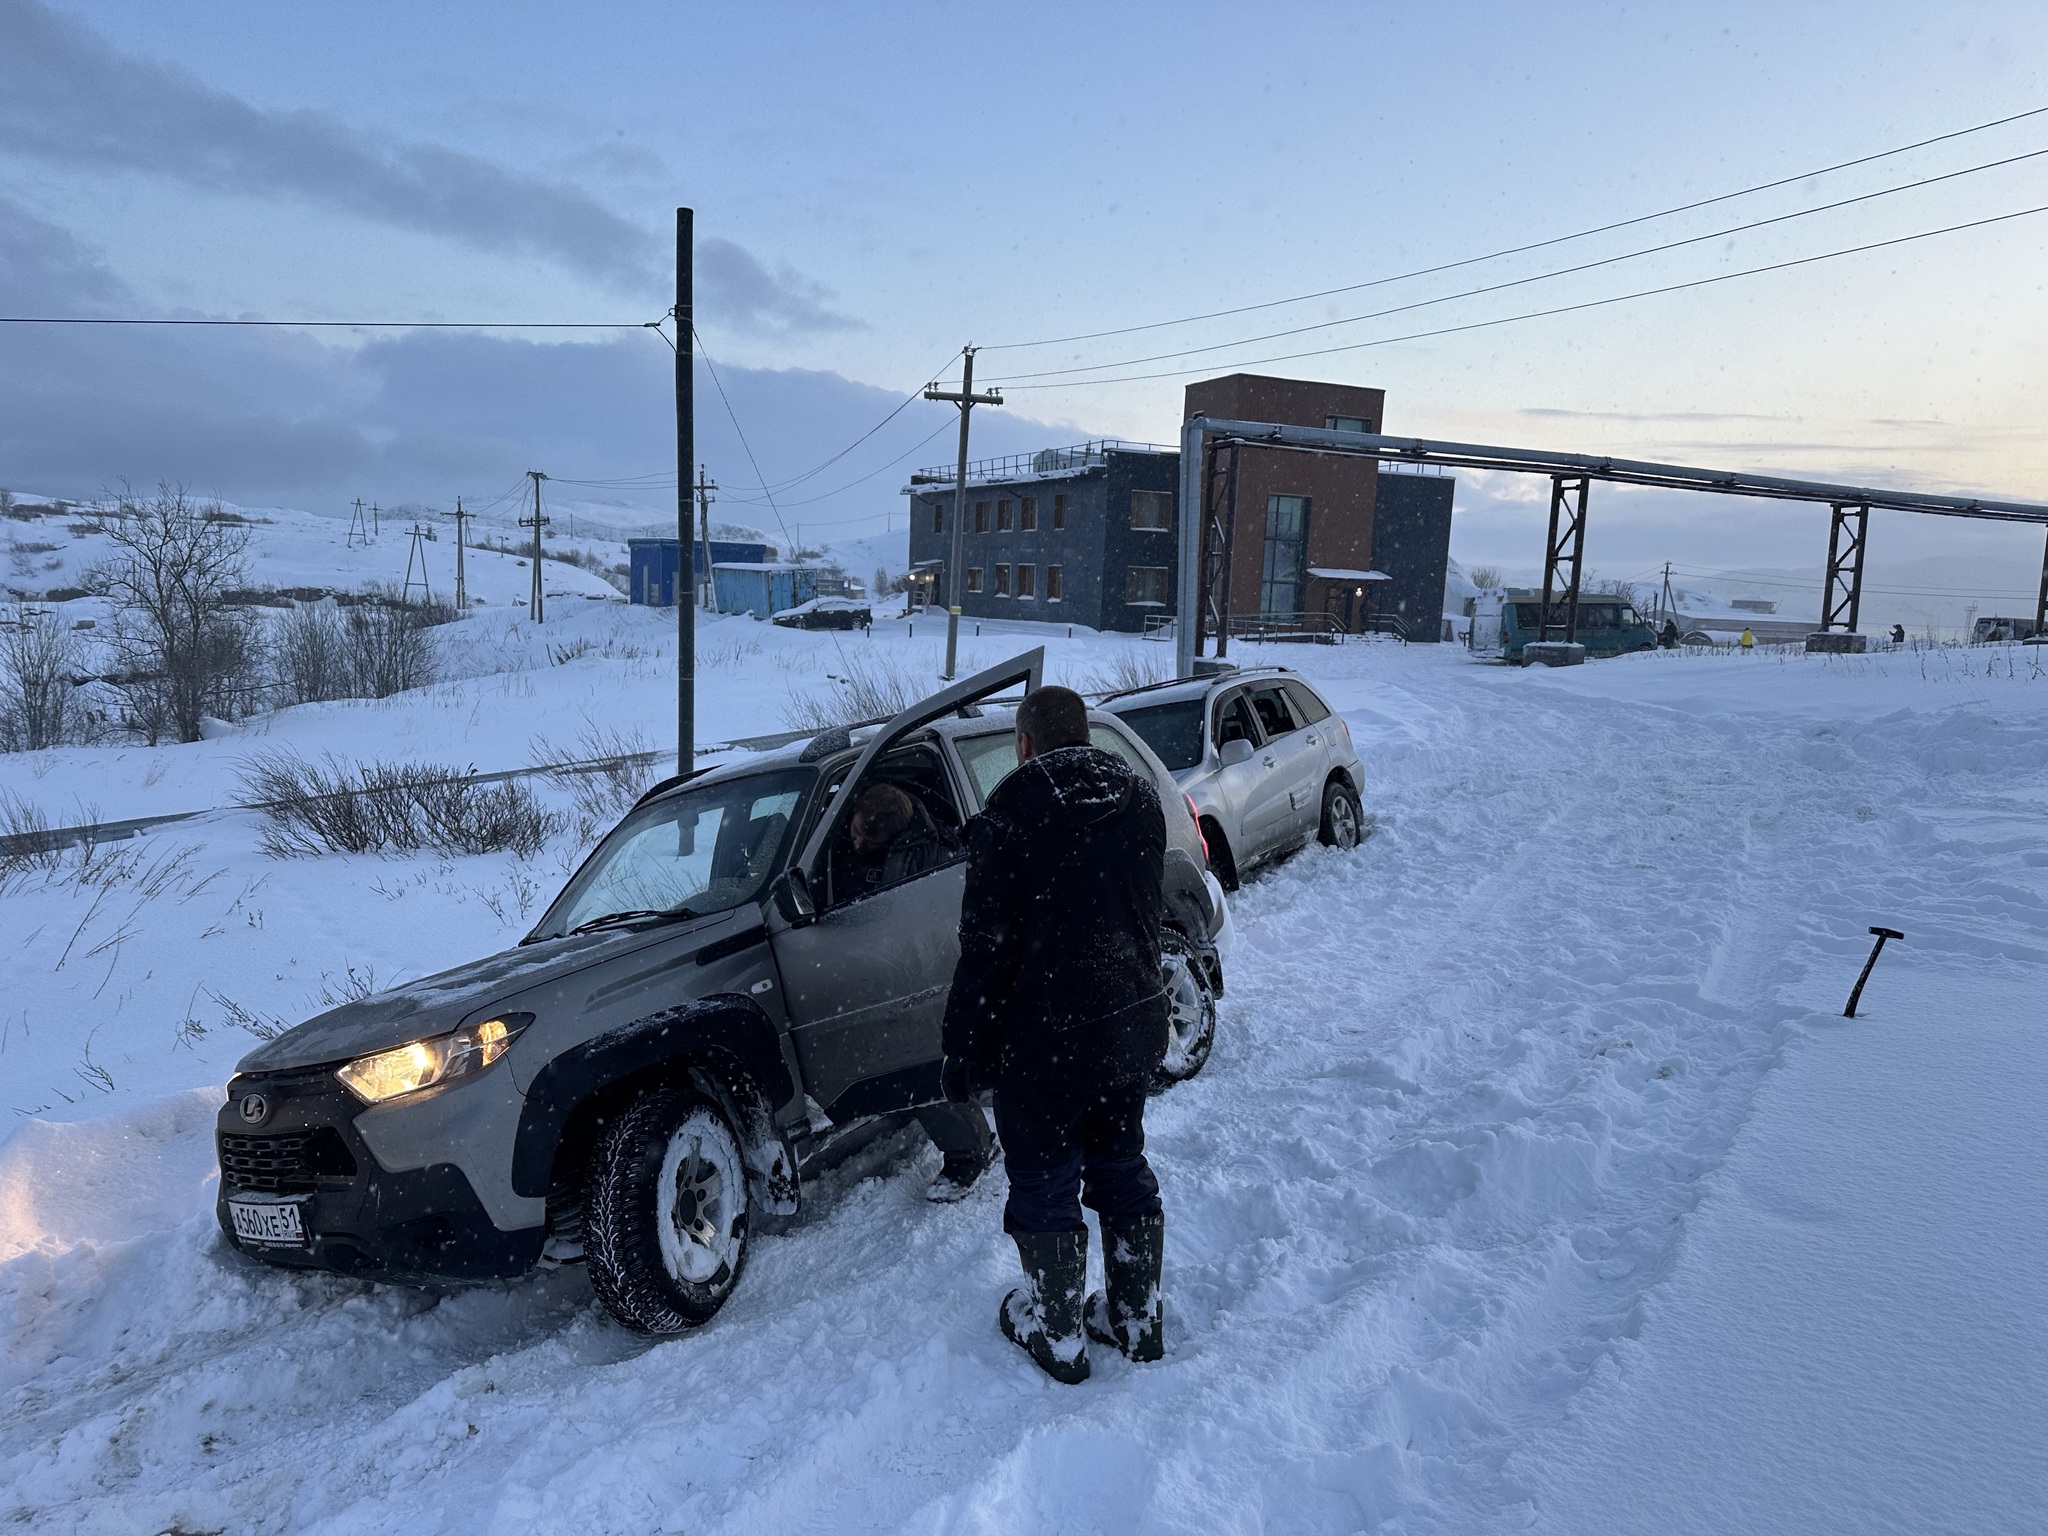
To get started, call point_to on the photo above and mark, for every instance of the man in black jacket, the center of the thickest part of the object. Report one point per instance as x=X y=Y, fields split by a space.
x=1057 y=1005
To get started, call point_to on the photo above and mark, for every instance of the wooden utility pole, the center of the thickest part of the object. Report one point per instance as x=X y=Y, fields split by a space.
x=707 y=591
x=956 y=578
x=417 y=554
x=685 y=314
x=376 y=521
x=461 y=585
x=536 y=522
x=357 y=527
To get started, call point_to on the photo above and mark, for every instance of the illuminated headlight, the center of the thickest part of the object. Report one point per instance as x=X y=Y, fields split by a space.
x=422 y=1064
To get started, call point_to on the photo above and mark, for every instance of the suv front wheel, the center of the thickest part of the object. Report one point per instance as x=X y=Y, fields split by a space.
x=665 y=1212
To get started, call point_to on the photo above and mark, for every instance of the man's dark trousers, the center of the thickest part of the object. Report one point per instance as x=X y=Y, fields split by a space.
x=1055 y=1146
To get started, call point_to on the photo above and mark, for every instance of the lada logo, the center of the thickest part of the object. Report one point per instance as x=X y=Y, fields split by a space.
x=255 y=1109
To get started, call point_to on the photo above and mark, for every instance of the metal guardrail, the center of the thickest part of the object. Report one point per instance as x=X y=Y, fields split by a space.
x=1046 y=461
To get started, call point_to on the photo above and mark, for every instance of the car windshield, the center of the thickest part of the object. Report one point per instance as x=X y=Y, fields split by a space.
x=1172 y=731
x=703 y=850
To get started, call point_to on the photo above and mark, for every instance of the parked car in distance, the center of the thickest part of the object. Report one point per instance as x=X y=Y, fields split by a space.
x=1263 y=760
x=727 y=991
x=1608 y=626
x=827 y=613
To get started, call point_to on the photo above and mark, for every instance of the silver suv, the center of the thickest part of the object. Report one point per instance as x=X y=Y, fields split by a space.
x=1264 y=762
x=728 y=991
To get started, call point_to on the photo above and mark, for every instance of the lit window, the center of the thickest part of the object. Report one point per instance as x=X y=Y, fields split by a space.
x=1145 y=586
x=1059 y=511
x=1152 y=511
x=1027 y=514
x=981 y=517
x=1002 y=581
x=1003 y=516
x=974 y=578
x=1052 y=584
x=1027 y=581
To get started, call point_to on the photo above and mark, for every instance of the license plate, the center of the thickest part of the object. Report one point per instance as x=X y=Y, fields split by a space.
x=272 y=1223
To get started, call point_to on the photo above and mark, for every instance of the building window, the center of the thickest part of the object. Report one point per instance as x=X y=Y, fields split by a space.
x=1152 y=511
x=981 y=517
x=1027 y=581
x=1003 y=516
x=938 y=517
x=1145 y=586
x=1059 y=512
x=1027 y=514
x=1283 y=573
x=974 y=578
x=1002 y=581
x=1347 y=423
x=1052 y=584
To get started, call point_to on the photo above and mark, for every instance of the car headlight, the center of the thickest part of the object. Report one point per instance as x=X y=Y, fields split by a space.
x=423 y=1063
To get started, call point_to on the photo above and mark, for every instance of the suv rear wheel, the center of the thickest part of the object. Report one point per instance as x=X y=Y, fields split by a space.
x=1191 y=1011
x=665 y=1213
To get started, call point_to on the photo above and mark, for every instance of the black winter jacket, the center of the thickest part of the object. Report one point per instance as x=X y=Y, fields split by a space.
x=1058 y=986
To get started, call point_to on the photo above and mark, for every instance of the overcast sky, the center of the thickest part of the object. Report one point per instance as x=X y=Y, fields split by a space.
x=876 y=185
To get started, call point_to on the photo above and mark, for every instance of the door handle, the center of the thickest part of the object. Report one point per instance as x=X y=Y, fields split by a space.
x=1314 y=740
x=1270 y=763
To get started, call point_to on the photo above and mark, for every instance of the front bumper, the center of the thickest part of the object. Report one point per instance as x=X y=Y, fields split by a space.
x=423 y=1226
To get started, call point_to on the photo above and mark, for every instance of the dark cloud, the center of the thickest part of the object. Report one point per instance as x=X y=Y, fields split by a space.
x=745 y=295
x=70 y=100
x=44 y=270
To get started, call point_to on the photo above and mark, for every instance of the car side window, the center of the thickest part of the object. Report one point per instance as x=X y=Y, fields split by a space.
x=1308 y=708
x=1234 y=721
x=904 y=822
x=1110 y=739
x=1275 y=718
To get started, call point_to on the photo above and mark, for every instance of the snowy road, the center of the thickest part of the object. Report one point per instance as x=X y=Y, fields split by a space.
x=1470 y=1086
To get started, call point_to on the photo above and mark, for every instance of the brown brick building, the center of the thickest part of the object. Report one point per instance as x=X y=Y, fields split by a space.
x=1304 y=521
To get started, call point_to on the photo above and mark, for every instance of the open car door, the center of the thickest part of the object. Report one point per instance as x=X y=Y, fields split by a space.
x=865 y=979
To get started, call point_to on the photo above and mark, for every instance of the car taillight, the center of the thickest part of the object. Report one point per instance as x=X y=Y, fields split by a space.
x=1198 y=826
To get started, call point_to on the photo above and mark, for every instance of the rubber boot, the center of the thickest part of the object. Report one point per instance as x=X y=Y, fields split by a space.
x=1130 y=1315
x=1042 y=1317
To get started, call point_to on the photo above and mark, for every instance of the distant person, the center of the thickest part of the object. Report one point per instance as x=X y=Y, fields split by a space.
x=1057 y=1005
x=1668 y=636
x=1748 y=640
x=1898 y=634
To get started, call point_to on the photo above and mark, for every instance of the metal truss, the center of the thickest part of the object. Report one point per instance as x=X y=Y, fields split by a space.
x=1842 y=598
x=1564 y=551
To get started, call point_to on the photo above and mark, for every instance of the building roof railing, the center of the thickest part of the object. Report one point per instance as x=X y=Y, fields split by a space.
x=1043 y=464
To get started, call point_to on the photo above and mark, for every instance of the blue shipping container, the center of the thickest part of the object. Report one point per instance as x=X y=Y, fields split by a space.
x=761 y=588
x=652 y=564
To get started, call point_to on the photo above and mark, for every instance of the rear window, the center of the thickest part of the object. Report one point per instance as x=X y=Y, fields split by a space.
x=990 y=759
x=1307 y=706
x=1172 y=731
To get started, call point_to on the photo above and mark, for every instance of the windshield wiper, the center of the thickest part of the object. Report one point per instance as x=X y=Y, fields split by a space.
x=637 y=915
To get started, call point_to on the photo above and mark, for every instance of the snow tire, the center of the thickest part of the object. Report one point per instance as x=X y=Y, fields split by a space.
x=1343 y=824
x=1191 y=1011
x=665 y=1213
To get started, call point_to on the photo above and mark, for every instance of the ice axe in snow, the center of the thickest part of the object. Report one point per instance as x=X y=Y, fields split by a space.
x=1869 y=965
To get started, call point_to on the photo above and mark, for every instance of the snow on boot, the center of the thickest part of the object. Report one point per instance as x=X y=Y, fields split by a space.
x=1130 y=1315
x=1042 y=1317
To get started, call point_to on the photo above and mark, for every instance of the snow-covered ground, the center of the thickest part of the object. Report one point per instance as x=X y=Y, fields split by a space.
x=1536 y=1181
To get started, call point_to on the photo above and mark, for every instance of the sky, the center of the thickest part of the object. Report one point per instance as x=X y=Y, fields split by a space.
x=876 y=186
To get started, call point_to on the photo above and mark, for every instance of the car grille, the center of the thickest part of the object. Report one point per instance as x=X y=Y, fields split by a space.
x=290 y=1164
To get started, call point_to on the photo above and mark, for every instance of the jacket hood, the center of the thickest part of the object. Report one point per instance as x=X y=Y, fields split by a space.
x=1068 y=787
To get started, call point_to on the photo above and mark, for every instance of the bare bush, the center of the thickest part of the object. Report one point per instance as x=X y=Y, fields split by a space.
x=39 y=657
x=333 y=807
x=1134 y=668
x=309 y=655
x=614 y=769
x=183 y=652
x=1486 y=578
x=867 y=687
x=390 y=649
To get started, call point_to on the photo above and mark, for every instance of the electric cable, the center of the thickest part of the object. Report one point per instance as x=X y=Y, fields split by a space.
x=1561 y=309
x=1537 y=277
x=345 y=325
x=733 y=417
x=1518 y=250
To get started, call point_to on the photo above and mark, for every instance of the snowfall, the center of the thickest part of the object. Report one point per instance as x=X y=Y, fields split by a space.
x=1537 y=1181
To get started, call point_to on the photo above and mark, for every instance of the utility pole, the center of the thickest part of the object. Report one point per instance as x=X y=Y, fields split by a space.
x=536 y=522
x=357 y=527
x=707 y=590
x=461 y=586
x=956 y=578
x=376 y=523
x=418 y=552
x=685 y=314
x=1665 y=601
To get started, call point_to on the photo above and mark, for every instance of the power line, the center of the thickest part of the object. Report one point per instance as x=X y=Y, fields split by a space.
x=1561 y=309
x=741 y=433
x=346 y=325
x=1518 y=250
x=1538 y=277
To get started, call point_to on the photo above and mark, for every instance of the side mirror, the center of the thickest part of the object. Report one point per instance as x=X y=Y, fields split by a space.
x=793 y=898
x=1234 y=752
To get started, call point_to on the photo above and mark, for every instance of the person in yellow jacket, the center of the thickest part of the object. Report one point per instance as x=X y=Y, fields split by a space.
x=1748 y=641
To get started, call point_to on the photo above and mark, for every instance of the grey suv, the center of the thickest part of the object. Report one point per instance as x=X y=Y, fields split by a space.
x=722 y=995
x=1262 y=758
